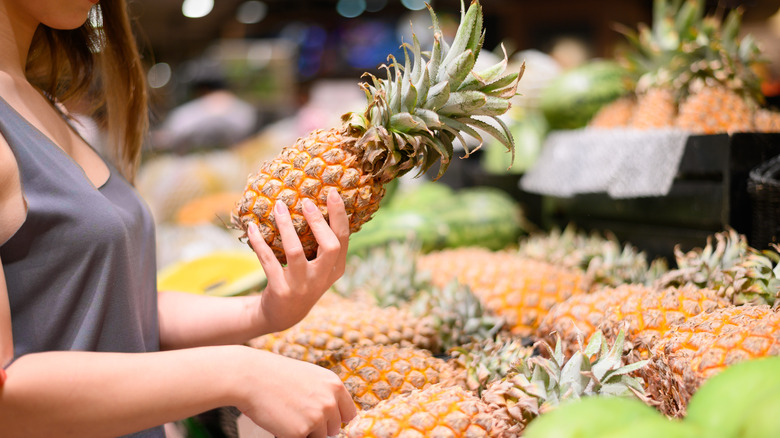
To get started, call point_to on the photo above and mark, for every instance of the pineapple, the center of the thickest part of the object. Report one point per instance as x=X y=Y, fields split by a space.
x=656 y=108
x=519 y=289
x=703 y=346
x=643 y=312
x=411 y=120
x=691 y=72
x=615 y=114
x=646 y=317
x=337 y=323
x=713 y=108
x=376 y=372
x=741 y=274
x=522 y=285
x=653 y=56
x=766 y=120
x=533 y=386
x=722 y=88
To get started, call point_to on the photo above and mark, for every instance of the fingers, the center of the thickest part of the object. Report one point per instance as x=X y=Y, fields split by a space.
x=339 y=223
x=291 y=243
x=265 y=254
x=347 y=409
x=329 y=244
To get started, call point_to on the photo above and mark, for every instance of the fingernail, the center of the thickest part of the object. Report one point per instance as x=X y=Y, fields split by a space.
x=308 y=205
x=281 y=207
x=252 y=228
x=333 y=194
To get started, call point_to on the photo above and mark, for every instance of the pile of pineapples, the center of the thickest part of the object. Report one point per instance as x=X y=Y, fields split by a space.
x=690 y=71
x=472 y=342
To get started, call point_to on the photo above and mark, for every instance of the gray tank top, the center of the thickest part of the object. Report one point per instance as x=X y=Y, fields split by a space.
x=81 y=270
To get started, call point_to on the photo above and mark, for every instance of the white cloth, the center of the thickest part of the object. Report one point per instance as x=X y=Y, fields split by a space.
x=624 y=163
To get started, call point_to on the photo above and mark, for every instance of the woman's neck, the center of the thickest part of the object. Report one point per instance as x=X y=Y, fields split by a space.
x=16 y=33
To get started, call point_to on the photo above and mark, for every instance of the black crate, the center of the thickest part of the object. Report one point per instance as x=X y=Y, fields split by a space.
x=709 y=194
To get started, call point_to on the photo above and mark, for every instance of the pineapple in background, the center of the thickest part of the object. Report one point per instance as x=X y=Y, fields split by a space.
x=615 y=114
x=654 y=52
x=765 y=120
x=690 y=71
x=723 y=90
x=523 y=284
x=532 y=387
x=411 y=121
x=519 y=289
x=642 y=312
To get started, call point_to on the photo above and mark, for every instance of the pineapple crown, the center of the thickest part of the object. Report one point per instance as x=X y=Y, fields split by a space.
x=704 y=267
x=457 y=315
x=685 y=48
x=603 y=258
x=488 y=360
x=416 y=112
x=541 y=383
x=755 y=279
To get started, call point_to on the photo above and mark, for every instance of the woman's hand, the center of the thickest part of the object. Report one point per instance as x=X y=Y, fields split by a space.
x=291 y=398
x=294 y=289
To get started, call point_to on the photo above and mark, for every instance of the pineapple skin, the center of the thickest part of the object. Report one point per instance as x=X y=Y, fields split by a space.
x=704 y=345
x=436 y=411
x=519 y=289
x=322 y=161
x=337 y=323
x=374 y=373
x=655 y=109
x=714 y=109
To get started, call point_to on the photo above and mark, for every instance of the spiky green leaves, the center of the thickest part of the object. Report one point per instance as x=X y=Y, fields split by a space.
x=457 y=315
x=416 y=113
x=685 y=47
x=542 y=383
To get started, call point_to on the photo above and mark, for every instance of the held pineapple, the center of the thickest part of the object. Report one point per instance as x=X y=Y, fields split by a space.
x=411 y=121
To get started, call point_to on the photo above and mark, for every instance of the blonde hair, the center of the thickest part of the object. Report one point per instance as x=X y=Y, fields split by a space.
x=99 y=61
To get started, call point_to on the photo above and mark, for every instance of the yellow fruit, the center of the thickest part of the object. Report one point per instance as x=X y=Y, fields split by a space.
x=220 y=273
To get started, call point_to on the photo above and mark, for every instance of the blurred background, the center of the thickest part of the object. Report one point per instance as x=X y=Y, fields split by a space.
x=234 y=81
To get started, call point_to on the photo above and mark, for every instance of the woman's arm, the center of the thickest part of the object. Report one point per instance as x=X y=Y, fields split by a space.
x=87 y=394
x=188 y=320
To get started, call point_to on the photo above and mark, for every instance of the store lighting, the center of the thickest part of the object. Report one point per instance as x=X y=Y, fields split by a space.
x=251 y=12
x=159 y=75
x=196 y=8
x=350 y=8
x=414 y=5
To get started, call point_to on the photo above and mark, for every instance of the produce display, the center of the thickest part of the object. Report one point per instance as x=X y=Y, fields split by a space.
x=456 y=316
x=690 y=71
x=410 y=122
x=478 y=342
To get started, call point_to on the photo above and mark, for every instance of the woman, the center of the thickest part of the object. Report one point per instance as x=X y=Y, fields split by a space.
x=87 y=344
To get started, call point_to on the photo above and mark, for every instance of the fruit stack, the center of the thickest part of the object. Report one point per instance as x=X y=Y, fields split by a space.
x=474 y=342
x=690 y=71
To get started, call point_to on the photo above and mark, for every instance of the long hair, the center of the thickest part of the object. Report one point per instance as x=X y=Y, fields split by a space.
x=98 y=61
